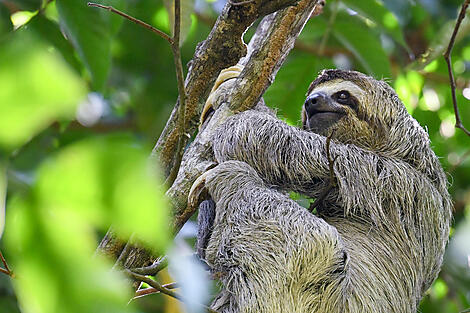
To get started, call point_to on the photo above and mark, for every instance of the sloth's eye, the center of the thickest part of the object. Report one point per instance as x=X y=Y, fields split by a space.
x=343 y=95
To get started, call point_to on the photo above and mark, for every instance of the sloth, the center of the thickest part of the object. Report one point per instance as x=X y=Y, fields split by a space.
x=377 y=238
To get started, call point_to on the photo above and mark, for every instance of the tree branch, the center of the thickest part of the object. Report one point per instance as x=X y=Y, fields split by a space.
x=133 y=19
x=150 y=291
x=154 y=284
x=152 y=269
x=175 y=46
x=267 y=50
x=447 y=57
x=5 y=270
x=224 y=47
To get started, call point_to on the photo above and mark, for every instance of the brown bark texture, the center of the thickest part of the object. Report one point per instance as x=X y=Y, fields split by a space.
x=275 y=36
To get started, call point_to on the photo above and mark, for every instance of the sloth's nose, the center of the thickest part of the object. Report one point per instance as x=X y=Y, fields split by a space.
x=316 y=102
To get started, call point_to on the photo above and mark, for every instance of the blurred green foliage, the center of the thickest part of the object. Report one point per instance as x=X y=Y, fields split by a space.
x=84 y=95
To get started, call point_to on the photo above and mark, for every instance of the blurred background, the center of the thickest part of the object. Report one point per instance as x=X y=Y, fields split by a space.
x=85 y=94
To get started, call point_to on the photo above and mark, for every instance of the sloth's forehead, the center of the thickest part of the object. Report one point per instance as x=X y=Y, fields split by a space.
x=333 y=86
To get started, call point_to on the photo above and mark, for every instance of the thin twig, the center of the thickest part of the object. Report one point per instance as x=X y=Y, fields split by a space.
x=5 y=270
x=447 y=57
x=175 y=46
x=150 y=291
x=332 y=178
x=162 y=289
x=152 y=269
x=133 y=19
x=154 y=284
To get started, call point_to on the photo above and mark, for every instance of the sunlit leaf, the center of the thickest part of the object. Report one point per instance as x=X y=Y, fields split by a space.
x=107 y=180
x=51 y=234
x=54 y=252
x=37 y=88
x=50 y=31
x=187 y=8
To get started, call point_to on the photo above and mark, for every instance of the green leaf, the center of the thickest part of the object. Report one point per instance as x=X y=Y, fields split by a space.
x=37 y=88
x=314 y=29
x=90 y=32
x=376 y=12
x=113 y=20
x=107 y=180
x=364 y=44
x=187 y=8
x=50 y=31
x=51 y=234
x=55 y=252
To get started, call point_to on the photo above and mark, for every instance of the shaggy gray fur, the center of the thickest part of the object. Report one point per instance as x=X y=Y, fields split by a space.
x=376 y=244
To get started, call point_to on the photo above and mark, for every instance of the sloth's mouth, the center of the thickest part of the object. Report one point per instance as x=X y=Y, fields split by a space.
x=320 y=121
x=317 y=112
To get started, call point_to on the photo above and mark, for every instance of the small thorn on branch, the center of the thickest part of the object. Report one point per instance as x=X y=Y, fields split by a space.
x=447 y=57
x=133 y=19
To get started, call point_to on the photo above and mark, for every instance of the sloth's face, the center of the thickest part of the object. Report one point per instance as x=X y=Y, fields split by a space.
x=330 y=104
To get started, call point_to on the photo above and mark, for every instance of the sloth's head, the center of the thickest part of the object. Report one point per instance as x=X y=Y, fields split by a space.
x=361 y=110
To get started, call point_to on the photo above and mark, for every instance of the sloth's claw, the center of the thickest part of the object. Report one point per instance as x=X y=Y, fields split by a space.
x=225 y=74
x=198 y=191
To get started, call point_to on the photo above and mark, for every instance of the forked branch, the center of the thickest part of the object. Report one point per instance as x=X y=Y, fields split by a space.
x=154 y=284
x=6 y=270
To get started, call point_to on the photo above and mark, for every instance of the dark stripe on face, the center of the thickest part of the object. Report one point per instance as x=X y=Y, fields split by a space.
x=327 y=75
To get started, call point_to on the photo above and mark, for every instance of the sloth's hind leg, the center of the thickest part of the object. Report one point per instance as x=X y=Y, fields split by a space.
x=205 y=222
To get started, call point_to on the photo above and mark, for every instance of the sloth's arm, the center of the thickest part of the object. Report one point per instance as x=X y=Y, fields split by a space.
x=284 y=156
x=261 y=238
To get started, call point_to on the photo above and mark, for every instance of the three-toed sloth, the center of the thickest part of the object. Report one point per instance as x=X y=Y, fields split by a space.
x=377 y=240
